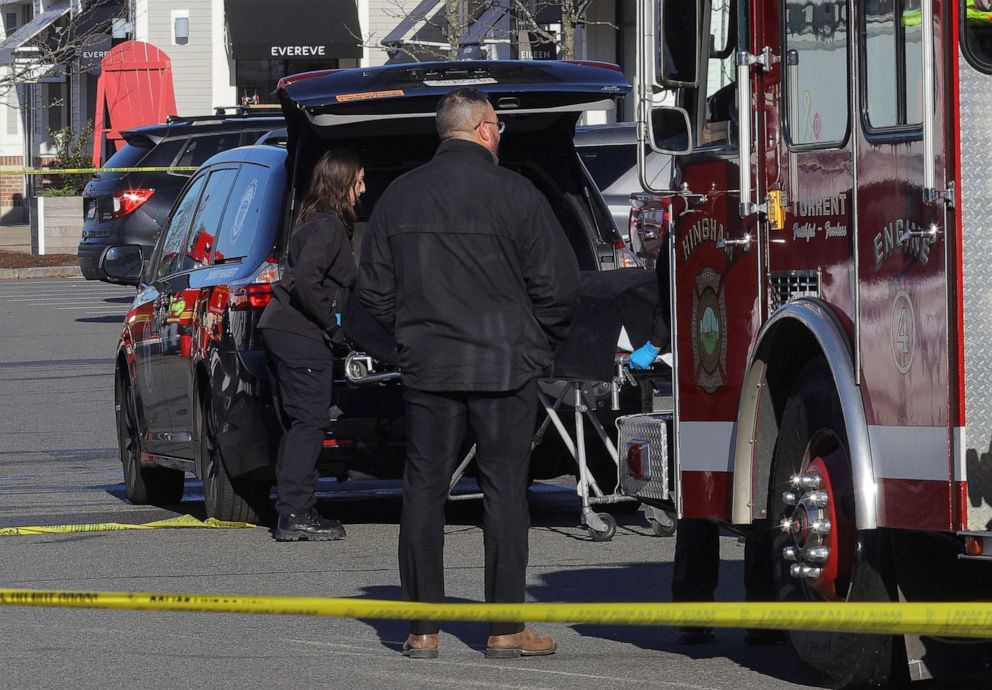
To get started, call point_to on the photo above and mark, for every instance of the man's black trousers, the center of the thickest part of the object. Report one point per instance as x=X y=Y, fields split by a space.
x=502 y=426
x=303 y=371
x=697 y=563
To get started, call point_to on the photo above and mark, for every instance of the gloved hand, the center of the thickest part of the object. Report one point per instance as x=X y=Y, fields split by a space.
x=644 y=356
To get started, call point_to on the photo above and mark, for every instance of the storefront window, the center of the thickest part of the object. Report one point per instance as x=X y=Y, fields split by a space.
x=256 y=79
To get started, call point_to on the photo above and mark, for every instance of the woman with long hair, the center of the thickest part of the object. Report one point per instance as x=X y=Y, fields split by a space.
x=297 y=327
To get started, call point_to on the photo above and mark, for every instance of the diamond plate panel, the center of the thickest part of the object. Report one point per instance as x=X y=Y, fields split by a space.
x=651 y=428
x=976 y=241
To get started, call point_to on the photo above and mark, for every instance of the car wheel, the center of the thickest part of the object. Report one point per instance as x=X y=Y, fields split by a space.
x=142 y=484
x=817 y=553
x=225 y=497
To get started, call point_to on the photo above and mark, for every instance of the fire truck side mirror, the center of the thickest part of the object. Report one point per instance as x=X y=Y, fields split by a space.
x=678 y=54
x=670 y=130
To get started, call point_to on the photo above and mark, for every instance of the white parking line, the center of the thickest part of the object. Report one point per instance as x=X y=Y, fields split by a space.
x=92 y=306
x=64 y=301
x=67 y=291
x=28 y=297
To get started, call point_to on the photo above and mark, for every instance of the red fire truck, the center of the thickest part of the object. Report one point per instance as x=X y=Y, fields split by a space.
x=828 y=236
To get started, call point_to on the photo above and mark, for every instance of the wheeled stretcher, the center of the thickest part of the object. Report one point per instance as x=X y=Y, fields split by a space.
x=587 y=376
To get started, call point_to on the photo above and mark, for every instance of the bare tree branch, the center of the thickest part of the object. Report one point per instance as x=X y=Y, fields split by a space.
x=56 y=47
x=456 y=18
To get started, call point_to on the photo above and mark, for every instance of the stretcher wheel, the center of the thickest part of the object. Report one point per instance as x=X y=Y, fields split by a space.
x=607 y=534
x=663 y=523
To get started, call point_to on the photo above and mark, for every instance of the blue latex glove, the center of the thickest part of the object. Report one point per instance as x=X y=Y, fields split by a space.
x=644 y=356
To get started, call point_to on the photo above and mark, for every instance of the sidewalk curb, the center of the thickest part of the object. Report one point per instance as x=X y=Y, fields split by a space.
x=41 y=272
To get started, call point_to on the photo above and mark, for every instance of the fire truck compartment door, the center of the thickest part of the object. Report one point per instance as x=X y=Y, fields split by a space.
x=902 y=264
x=645 y=445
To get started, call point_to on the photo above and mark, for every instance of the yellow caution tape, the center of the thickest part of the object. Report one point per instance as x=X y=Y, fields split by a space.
x=968 y=619
x=181 y=521
x=85 y=171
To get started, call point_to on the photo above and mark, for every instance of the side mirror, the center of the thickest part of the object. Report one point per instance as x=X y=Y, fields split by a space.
x=679 y=48
x=671 y=130
x=123 y=264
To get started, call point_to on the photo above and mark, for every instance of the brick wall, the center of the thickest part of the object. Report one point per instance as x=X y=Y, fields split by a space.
x=11 y=186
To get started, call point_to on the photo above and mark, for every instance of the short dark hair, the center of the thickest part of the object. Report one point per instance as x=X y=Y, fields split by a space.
x=459 y=110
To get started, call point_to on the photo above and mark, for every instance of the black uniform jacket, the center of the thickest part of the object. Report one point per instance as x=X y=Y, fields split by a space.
x=319 y=268
x=661 y=326
x=466 y=263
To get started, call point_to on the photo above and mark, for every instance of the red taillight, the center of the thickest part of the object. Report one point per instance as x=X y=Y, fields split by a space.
x=250 y=297
x=257 y=292
x=637 y=459
x=337 y=442
x=127 y=201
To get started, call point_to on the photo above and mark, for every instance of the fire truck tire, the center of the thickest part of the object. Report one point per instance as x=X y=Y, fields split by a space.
x=225 y=497
x=858 y=567
x=142 y=484
x=608 y=533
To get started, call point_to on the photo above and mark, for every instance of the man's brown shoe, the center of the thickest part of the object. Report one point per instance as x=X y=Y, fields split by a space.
x=421 y=646
x=524 y=643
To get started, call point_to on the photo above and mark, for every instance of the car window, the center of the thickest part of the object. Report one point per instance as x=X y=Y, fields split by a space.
x=607 y=164
x=163 y=154
x=128 y=156
x=207 y=219
x=251 y=136
x=175 y=234
x=199 y=149
x=241 y=219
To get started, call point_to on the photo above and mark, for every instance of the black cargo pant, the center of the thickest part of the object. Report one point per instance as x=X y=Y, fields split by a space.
x=697 y=563
x=503 y=425
x=304 y=378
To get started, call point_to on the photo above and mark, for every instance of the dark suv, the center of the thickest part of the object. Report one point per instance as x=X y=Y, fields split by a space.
x=130 y=208
x=192 y=389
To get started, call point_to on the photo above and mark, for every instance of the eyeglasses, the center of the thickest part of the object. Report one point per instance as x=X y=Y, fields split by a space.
x=500 y=125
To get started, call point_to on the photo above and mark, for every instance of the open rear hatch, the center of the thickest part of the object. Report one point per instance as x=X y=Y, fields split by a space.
x=386 y=114
x=319 y=100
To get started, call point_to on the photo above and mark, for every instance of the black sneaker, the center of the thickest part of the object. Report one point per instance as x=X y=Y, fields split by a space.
x=308 y=526
x=689 y=636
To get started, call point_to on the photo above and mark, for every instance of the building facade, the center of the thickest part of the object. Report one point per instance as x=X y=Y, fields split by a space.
x=233 y=52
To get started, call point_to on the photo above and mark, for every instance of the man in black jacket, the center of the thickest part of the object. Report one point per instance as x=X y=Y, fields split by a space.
x=466 y=263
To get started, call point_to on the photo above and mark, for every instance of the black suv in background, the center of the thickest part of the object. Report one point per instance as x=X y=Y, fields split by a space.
x=191 y=380
x=130 y=208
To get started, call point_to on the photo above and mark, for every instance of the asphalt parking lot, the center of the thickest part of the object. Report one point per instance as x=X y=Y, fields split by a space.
x=59 y=465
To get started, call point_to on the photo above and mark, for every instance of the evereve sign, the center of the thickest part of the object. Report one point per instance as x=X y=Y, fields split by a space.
x=286 y=51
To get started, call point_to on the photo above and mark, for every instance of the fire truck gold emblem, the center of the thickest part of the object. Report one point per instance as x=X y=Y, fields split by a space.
x=902 y=337
x=709 y=331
